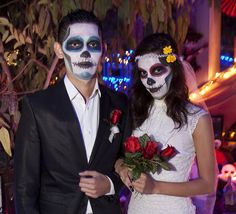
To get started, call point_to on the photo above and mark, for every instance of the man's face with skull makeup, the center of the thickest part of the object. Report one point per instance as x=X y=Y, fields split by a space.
x=155 y=76
x=82 y=50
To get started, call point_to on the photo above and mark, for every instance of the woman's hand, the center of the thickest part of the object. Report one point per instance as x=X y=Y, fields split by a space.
x=145 y=184
x=124 y=173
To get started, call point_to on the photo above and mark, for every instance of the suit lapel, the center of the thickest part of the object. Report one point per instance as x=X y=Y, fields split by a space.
x=69 y=115
x=104 y=126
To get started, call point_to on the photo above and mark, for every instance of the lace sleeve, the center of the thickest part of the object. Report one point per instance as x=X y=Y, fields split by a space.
x=196 y=113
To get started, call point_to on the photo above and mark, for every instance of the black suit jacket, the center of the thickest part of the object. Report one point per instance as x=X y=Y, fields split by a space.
x=50 y=152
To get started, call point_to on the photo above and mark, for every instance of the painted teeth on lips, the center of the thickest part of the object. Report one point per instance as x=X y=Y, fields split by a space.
x=153 y=90
x=84 y=64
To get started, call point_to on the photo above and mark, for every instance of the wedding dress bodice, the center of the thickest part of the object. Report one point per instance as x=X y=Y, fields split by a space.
x=160 y=128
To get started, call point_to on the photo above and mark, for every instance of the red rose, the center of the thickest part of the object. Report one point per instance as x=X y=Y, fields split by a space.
x=115 y=116
x=168 y=152
x=132 y=145
x=150 y=149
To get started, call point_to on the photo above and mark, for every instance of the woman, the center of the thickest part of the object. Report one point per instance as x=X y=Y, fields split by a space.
x=161 y=108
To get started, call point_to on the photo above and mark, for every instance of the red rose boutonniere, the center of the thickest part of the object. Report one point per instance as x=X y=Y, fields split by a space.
x=114 y=120
x=143 y=155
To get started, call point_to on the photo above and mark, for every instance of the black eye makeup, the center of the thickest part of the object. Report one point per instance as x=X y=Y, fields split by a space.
x=74 y=44
x=143 y=73
x=158 y=70
x=94 y=44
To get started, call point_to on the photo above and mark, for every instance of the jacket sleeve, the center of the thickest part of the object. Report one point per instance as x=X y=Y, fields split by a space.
x=27 y=163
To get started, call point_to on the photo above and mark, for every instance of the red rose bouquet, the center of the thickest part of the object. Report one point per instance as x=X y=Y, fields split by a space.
x=142 y=155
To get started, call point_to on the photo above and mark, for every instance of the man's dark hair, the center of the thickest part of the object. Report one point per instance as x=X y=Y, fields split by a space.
x=77 y=16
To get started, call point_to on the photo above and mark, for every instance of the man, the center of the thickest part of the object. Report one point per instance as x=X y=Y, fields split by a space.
x=66 y=145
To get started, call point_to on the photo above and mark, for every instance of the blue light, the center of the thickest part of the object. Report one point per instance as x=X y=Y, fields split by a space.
x=105 y=79
x=121 y=63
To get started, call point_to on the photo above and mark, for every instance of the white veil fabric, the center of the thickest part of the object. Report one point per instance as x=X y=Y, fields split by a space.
x=191 y=81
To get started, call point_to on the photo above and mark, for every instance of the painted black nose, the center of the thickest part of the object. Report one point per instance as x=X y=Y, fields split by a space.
x=85 y=54
x=150 y=81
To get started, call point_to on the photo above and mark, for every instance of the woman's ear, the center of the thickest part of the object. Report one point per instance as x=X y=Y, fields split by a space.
x=58 y=50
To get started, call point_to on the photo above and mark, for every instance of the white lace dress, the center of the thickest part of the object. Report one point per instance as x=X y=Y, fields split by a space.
x=161 y=128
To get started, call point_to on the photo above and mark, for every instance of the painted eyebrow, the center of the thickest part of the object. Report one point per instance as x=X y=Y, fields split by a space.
x=140 y=69
x=92 y=38
x=75 y=38
x=157 y=64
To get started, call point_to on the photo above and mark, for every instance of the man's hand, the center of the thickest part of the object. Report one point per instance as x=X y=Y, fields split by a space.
x=94 y=184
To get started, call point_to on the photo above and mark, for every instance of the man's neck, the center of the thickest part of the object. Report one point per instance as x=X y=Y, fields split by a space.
x=85 y=87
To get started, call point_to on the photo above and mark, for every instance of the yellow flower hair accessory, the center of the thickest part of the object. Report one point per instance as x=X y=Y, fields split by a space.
x=170 y=56
x=167 y=52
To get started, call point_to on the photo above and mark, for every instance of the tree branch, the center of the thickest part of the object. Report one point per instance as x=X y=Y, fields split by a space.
x=8 y=3
x=5 y=67
x=50 y=72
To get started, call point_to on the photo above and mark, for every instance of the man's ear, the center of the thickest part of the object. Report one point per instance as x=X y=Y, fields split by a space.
x=58 y=50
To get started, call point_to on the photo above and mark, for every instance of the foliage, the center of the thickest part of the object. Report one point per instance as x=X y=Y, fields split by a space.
x=28 y=30
x=35 y=34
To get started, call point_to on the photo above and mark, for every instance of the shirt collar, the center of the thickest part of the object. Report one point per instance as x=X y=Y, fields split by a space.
x=73 y=91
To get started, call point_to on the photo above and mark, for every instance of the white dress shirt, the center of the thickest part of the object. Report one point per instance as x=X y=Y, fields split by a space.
x=88 y=116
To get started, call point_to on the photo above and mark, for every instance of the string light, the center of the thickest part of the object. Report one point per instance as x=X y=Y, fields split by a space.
x=225 y=58
x=122 y=66
x=213 y=83
x=232 y=134
x=11 y=57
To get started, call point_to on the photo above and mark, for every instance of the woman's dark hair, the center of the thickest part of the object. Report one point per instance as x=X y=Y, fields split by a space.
x=77 y=16
x=141 y=100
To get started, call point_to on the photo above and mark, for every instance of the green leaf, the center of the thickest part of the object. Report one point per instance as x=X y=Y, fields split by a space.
x=5 y=35
x=172 y=27
x=41 y=2
x=5 y=140
x=54 y=10
x=165 y=165
x=11 y=37
x=143 y=9
x=136 y=173
x=153 y=168
x=101 y=7
x=46 y=24
x=161 y=8
x=157 y=158
x=133 y=155
x=144 y=139
x=179 y=28
x=4 y=21
x=154 y=19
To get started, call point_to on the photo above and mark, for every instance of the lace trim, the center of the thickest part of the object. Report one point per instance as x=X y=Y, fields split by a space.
x=195 y=117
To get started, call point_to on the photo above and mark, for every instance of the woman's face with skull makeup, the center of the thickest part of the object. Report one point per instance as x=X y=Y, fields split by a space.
x=155 y=76
x=82 y=50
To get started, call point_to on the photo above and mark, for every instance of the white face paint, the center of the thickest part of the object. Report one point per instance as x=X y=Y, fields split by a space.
x=155 y=76
x=226 y=171
x=82 y=49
